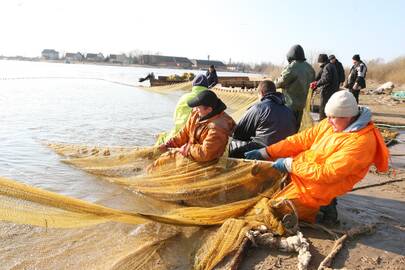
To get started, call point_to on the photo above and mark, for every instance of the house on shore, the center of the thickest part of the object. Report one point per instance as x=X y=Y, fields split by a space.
x=95 y=57
x=118 y=59
x=205 y=64
x=50 y=54
x=74 y=56
x=165 y=61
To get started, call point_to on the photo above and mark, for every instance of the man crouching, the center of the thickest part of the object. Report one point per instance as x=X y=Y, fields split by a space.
x=205 y=135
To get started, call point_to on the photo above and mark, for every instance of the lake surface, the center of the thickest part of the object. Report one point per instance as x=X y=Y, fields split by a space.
x=74 y=103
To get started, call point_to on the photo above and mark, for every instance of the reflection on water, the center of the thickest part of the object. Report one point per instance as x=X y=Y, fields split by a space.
x=85 y=111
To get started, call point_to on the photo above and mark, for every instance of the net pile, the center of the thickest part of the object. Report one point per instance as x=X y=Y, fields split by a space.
x=232 y=195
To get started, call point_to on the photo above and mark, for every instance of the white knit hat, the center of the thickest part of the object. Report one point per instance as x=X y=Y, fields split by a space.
x=342 y=104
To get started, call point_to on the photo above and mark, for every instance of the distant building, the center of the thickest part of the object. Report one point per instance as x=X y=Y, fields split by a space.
x=74 y=56
x=165 y=61
x=205 y=64
x=50 y=54
x=95 y=57
x=118 y=59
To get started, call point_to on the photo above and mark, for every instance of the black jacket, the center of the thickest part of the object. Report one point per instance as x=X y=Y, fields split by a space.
x=328 y=81
x=340 y=71
x=266 y=122
x=357 y=75
x=212 y=78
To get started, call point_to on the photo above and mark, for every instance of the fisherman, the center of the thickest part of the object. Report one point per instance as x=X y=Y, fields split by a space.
x=327 y=160
x=357 y=77
x=326 y=82
x=211 y=76
x=295 y=80
x=183 y=110
x=205 y=135
x=339 y=68
x=265 y=123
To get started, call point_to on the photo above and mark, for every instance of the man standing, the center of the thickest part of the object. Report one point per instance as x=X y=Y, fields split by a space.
x=357 y=77
x=327 y=82
x=295 y=80
x=339 y=68
x=212 y=76
x=265 y=123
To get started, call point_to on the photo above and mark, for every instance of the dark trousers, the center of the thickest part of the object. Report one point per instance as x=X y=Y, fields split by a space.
x=356 y=94
x=324 y=100
x=237 y=148
x=298 y=117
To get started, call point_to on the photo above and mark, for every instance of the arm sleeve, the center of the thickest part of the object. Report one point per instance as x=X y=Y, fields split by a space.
x=349 y=159
x=295 y=144
x=361 y=72
x=286 y=78
x=181 y=137
x=326 y=76
x=246 y=127
x=212 y=147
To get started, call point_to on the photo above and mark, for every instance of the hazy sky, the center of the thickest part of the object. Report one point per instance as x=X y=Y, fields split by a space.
x=249 y=31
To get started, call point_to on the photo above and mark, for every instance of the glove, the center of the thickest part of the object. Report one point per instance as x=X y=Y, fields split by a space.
x=313 y=85
x=255 y=154
x=279 y=164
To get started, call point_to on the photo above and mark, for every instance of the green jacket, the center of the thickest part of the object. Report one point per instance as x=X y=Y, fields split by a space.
x=295 y=80
x=181 y=113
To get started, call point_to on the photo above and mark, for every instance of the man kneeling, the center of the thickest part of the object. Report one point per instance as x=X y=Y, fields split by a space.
x=205 y=135
x=327 y=160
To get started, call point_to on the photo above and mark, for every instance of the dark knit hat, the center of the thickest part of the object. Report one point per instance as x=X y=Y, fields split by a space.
x=200 y=80
x=204 y=98
x=356 y=57
x=322 y=58
x=331 y=57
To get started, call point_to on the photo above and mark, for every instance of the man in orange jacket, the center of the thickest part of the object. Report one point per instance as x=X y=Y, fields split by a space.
x=328 y=159
x=205 y=135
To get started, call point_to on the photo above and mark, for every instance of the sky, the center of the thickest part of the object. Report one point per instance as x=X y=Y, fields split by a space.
x=251 y=31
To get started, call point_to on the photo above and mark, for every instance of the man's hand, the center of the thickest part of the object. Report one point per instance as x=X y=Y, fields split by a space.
x=184 y=149
x=254 y=154
x=313 y=85
x=284 y=165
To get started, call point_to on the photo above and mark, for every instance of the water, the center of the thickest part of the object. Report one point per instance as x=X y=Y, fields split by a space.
x=85 y=104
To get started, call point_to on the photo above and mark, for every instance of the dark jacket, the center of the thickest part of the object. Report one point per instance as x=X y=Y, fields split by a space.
x=357 y=75
x=340 y=71
x=266 y=122
x=328 y=81
x=295 y=79
x=212 y=78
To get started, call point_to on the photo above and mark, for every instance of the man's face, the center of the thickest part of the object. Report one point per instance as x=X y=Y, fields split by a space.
x=210 y=70
x=203 y=110
x=333 y=61
x=339 y=123
x=354 y=62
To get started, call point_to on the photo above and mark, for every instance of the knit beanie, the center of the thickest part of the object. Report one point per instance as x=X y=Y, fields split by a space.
x=342 y=104
x=200 y=80
x=322 y=58
x=356 y=57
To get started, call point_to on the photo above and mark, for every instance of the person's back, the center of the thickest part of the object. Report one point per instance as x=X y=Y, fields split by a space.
x=339 y=68
x=212 y=76
x=265 y=123
x=295 y=80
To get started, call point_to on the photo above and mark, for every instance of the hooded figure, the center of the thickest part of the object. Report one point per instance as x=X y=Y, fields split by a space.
x=182 y=110
x=294 y=81
x=265 y=123
x=212 y=76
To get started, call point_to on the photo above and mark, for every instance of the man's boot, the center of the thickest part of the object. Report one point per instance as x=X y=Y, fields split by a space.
x=328 y=214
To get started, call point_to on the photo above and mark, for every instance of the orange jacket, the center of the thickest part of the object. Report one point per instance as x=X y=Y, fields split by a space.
x=327 y=164
x=207 y=139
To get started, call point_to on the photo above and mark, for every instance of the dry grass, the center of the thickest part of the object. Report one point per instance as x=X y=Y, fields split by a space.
x=382 y=72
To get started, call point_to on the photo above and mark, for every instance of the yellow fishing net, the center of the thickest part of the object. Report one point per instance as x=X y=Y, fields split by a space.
x=232 y=194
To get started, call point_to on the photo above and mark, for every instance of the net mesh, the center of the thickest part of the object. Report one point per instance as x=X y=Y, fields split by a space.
x=233 y=195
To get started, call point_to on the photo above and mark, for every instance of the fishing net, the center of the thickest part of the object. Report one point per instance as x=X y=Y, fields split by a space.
x=232 y=195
